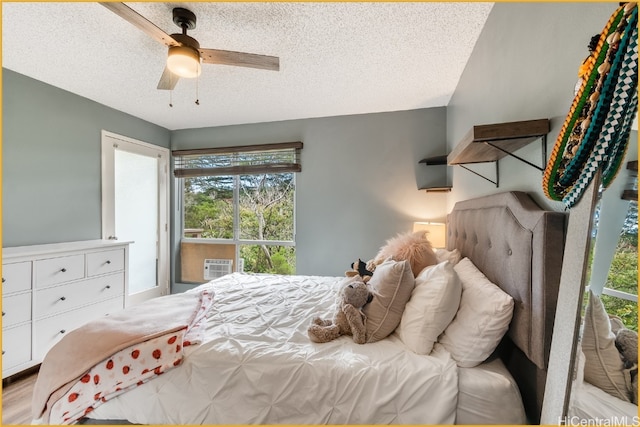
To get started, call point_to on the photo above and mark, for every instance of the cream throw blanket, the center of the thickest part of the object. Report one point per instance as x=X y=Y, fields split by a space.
x=95 y=341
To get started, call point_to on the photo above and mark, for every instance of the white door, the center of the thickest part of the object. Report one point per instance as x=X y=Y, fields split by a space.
x=135 y=208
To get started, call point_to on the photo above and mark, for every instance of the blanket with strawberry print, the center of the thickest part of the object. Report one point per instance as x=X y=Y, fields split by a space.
x=116 y=353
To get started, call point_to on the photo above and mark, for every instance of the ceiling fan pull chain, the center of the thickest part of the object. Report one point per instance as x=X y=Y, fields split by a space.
x=197 y=96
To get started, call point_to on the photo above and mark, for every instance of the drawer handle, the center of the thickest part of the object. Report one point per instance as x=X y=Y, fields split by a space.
x=4 y=280
x=62 y=331
x=108 y=262
x=64 y=270
x=3 y=313
x=108 y=286
x=63 y=298
x=3 y=352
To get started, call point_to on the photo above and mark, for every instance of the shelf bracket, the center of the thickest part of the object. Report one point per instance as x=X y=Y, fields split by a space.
x=543 y=140
x=496 y=182
x=491 y=143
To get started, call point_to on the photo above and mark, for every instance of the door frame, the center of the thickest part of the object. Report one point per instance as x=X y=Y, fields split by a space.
x=108 y=147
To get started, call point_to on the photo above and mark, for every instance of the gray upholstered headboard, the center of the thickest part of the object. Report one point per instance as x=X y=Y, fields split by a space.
x=519 y=247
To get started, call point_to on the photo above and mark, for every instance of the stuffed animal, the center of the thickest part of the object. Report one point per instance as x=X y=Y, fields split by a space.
x=348 y=319
x=359 y=268
x=627 y=345
x=413 y=247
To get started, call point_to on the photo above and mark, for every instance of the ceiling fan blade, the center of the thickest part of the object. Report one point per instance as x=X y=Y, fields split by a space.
x=141 y=22
x=168 y=80
x=240 y=59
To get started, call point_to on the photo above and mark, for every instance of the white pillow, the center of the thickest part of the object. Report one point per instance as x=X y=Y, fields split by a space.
x=453 y=256
x=482 y=319
x=433 y=304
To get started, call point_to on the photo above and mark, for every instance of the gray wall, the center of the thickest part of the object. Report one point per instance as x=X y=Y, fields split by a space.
x=51 y=160
x=524 y=66
x=359 y=184
x=359 y=179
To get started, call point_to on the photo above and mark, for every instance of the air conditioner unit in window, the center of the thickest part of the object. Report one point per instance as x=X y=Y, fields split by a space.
x=214 y=268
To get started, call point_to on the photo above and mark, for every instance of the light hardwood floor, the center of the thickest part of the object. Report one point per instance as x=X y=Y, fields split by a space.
x=16 y=398
x=16 y=401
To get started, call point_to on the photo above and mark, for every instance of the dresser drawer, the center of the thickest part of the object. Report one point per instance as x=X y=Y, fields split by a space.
x=56 y=299
x=51 y=330
x=52 y=271
x=16 y=346
x=16 y=309
x=16 y=277
x=105 y=262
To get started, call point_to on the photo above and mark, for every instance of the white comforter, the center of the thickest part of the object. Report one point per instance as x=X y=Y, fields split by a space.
x=256 y=365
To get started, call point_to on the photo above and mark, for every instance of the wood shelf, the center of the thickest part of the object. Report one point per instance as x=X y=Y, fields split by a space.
x=436 y=161
x=442 y=189
x=490 y=143
x=633 y=166
x=631 y=195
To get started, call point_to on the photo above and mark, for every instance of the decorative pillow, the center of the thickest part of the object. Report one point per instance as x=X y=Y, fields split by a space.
x=453 y=256
x=391 y=283
x=433 y=305
x=603 y=366
x=482 y=319
x=413 y=247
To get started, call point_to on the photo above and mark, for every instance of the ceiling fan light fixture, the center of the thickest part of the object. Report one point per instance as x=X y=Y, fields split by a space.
x=184 y=61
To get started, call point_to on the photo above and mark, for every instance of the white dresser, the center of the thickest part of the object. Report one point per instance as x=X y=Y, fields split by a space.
x=48 y=290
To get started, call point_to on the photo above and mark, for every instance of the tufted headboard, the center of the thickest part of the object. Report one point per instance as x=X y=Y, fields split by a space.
x=519 y=247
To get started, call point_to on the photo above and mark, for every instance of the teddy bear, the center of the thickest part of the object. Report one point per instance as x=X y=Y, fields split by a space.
x=359 y=268
x=348 y=318
x=627 y=344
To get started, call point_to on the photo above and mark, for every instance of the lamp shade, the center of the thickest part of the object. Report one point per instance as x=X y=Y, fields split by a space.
x=436 y=232
x=184 y=61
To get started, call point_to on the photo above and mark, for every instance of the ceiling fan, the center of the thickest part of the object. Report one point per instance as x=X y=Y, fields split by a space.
x=185 y=53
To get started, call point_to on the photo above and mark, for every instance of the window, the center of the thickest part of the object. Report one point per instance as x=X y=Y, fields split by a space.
x=613 y=264
x=620 y=293
x=238 y=204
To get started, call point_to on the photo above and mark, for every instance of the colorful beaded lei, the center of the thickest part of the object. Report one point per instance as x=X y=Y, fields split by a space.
x=595 y=133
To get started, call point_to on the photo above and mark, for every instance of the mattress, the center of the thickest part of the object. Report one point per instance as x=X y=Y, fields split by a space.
x=488 y=394
x=589 y=405
x=256 y=365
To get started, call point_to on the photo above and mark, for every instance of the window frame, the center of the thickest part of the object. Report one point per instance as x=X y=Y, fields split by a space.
x=236 y=240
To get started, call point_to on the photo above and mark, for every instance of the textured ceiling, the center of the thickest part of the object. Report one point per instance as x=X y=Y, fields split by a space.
x=335 y=58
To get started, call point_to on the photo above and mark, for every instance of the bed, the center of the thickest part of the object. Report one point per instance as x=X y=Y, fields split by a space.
x=590 y=404
x=603 y=388
x=252 y=362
